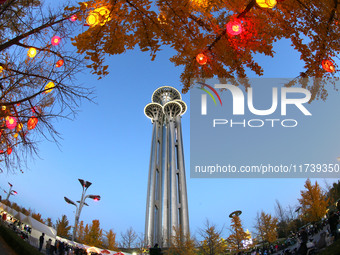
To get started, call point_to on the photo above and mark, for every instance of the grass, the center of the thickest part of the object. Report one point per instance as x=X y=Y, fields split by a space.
x=17 y=243
x=333 y=249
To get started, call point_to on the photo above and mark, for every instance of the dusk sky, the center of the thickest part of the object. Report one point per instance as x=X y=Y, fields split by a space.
x=109 y=142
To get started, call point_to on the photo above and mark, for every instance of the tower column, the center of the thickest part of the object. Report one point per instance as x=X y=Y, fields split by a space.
x=167 y=204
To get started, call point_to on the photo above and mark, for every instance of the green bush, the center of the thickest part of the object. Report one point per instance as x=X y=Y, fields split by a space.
x=16 y=242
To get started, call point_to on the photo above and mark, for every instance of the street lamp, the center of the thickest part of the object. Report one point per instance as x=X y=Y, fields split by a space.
x=85 y=185
x=10 y=192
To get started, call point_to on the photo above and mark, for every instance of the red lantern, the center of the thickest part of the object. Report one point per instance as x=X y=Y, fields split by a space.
x=55 y=40
x=11 y=122
x=328 y=65
x=73 y=18
x=32 y=122
x=234 y=27
x=201 y=59
x=9 y=150
x=59 y=63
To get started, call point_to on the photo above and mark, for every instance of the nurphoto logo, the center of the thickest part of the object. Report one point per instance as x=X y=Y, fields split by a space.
x=297 y=97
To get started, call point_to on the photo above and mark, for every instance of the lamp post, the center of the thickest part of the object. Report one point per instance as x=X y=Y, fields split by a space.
x=85 y=185
x=10 y=192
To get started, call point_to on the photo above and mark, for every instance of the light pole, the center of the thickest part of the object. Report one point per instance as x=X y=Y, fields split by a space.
x=85 y=185
x=10 y=192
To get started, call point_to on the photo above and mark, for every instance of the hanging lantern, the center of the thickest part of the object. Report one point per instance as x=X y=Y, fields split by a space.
x=32 y=122
x=234 y=27
x=19 y=127
x=15 y=135
x=266 y=3
x=3 y=108
x=55 y=40
x=1 y=69
x=99 y=15
x=59 y=63
x=73 y=18
x=200 y=3
x=161 y=18
x=49 y=87
x=31 y=52
x=9 y=150
x=328 y=65
x=201 y=59
x=92 y=19
x=11 y=122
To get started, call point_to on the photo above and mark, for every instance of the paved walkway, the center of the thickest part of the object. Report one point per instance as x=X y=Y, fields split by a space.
x=5 y=249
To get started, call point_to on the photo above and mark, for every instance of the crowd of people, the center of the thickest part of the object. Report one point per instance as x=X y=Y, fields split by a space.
x=59 y=247
x=309 y=240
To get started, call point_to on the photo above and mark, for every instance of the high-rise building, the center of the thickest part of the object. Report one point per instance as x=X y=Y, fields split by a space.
x=167 y=203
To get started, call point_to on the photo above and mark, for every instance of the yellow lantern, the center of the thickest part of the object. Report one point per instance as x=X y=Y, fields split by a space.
x=1 y=69
x=49 y=87
x=266 y=3
x=31 y=52
x=3 y=107
x=19 y=127
x=92 y=19
x=200 y=3
x=99 y=15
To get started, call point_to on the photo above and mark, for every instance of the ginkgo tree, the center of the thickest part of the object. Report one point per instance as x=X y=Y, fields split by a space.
x=237 y=234
x=313 y=201
x=37 y=69
x=214 y=38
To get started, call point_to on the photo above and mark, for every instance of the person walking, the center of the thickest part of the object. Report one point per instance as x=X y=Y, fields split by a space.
x=48 y=246
x=333 y=223
x=41 y=241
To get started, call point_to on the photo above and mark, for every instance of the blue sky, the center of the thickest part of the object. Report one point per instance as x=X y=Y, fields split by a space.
x=109 y=144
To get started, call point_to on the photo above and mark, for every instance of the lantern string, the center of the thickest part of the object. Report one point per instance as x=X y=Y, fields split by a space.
x=40 y=49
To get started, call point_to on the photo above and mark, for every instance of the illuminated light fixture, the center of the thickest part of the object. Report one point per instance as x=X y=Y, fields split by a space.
x=73 y=18
x=59 y=63
x=161 y=18
x=31 y=52
x=95 y=197
x=49 y=87
x=99 y=15
x=32 y=123
x=266 y=3
x=55 y=40
x=9 y=150
x=92 y=19
x=15 y=135
x=3 y=108
x=201 y=59
x=19 y=126
x=200 y=3
x=1 y=69
x=11 y=122
x=234 y=27
x=328 y=65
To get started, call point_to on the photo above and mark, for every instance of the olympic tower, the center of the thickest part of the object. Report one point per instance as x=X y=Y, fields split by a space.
x=167 y=203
